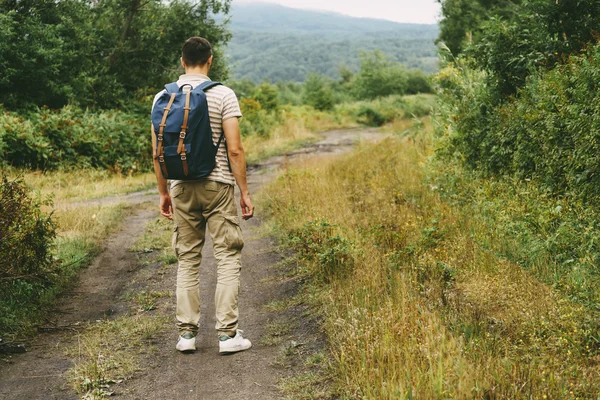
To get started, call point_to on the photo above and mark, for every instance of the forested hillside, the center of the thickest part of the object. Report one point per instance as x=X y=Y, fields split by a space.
x=276 y=43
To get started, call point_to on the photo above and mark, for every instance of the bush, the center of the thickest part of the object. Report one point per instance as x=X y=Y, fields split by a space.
x=379 y=76
x=418 y=82
x=26 y=236
x=372 y=116
x=331 y=255
x=550 y=133
x=318 y=93
x=256 y=120
x=75 y=138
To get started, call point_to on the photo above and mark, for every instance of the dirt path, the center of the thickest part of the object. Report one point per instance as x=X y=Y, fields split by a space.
x=168 y=374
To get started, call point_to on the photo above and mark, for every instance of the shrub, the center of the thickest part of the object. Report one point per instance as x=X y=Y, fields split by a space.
x=75 y=138
x=550 y=133
x=418 y=82
x=379 y=76
x=256 y=121
x=26 y=235
x=331 y=254
x=318 y=93
x=372 y=116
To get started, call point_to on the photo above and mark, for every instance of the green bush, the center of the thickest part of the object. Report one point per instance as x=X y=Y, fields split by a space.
x=75 y=138
x=550 y=133
x=379 y=76
x=317 y=93
x=418 y=82
x=28 y=268
x=331 y=254
x=372 y=116
x=257 y=121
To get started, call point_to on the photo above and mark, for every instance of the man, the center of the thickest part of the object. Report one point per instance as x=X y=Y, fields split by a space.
x=209 y=202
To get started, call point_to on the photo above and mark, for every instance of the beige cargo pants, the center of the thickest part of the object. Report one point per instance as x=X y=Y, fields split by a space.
x=196 y=205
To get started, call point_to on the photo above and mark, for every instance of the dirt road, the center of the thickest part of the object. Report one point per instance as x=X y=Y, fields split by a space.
x=166 y=373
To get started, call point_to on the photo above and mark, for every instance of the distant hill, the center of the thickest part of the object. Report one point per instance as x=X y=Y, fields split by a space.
x=272 y=42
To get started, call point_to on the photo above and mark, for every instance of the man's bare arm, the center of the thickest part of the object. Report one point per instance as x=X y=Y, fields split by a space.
x=237 y=158
x=166 y=209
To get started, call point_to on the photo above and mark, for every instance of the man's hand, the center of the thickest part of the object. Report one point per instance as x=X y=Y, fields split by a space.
x=247 y=206
x=166 y=208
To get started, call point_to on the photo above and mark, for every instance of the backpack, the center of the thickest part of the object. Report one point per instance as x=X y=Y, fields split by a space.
x=184 y=143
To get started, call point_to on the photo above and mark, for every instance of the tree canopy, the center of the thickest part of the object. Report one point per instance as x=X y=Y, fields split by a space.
x=98 y=53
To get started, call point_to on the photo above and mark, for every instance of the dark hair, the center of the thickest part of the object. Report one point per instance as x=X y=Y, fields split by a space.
x=196 y=51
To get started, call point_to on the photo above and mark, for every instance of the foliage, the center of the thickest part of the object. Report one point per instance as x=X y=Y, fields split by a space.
x=26 y=237
x=331 y=254
x=463 y=19
x=72 y=137
x=550 y=134
x=317 y=93
x=379 y=76
x=98 y=53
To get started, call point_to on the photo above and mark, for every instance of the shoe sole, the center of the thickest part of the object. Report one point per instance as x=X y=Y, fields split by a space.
x=234 y=350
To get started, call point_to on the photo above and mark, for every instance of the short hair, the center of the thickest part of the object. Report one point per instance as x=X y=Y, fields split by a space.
x=196 y=51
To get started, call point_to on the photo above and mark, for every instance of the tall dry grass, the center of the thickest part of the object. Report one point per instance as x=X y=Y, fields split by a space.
x=299 y=127
x=413 y=305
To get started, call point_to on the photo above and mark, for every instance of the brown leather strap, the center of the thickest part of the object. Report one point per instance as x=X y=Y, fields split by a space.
x=163 y=166
x=184 y=127
x=185 y=164
x=159 y=148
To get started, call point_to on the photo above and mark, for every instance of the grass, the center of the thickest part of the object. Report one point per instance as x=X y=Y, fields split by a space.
x=296 y=130
x=79 y=185
x=106 y=353
x=81 y=231
x=417 y=300
x=298 y=125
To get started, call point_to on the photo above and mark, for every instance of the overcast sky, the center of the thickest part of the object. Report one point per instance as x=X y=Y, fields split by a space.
x=414 y=11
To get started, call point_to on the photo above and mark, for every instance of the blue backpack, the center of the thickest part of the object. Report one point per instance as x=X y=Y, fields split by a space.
x=184 y=144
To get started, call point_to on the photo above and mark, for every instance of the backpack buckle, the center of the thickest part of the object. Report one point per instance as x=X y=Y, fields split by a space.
x=183 y=157
x=160 y=137
x=181 y=135
x=161 y=159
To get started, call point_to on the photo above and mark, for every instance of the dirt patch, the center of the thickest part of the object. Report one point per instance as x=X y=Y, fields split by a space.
x=168 y=374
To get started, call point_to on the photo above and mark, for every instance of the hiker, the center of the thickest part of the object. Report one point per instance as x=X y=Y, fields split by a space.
x=197 y=147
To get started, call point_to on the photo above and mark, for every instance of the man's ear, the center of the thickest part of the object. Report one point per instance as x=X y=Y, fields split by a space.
x=210 y=60
x=182 y=63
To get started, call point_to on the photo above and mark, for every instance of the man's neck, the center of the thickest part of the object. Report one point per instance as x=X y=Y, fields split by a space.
x=197 y=71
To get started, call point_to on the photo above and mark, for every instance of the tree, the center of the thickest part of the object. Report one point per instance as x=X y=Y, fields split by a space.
x=317 y=93
x=463 y=19
x=379 y=76
x=99 y=53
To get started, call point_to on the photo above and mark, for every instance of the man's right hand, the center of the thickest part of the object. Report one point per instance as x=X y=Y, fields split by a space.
x=247 y=206
x=166 y=207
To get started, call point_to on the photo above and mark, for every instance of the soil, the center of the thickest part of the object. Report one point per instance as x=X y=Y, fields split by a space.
x=166 y=373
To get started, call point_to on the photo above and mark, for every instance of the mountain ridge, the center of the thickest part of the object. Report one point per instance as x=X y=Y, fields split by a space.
x=277 y=43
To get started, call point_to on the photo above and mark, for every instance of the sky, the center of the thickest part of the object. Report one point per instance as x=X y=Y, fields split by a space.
x=412 y=11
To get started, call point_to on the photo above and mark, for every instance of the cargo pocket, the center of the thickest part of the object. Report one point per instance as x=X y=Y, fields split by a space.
x=174 y=241
x=177 y=191
x=233 y=233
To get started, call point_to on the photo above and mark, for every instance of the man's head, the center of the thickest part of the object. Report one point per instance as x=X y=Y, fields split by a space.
x=196 y=54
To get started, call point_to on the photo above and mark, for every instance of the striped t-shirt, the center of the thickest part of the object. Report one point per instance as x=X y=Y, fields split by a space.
x=222 y=105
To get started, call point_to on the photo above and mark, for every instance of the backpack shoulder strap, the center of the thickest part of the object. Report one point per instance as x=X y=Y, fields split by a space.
x=172 y=87
x=204 y=86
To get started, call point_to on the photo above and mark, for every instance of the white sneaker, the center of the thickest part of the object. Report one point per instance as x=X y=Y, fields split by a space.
x=228 y=345
x=187 y=342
